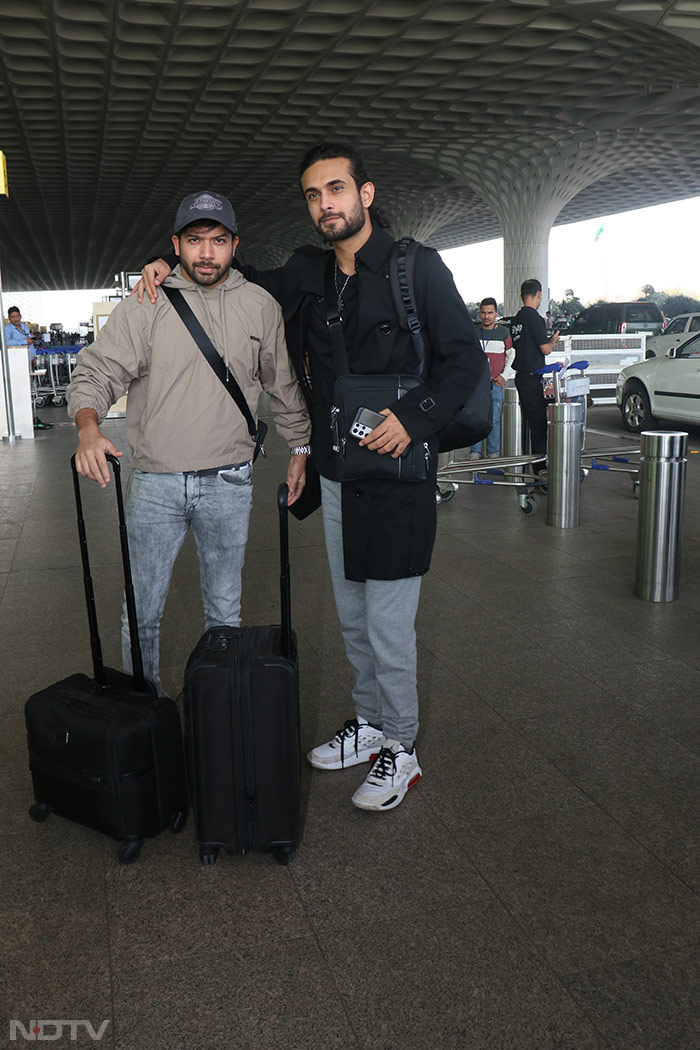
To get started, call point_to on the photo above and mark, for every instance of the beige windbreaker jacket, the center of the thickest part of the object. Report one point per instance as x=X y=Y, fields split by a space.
x=179 y=416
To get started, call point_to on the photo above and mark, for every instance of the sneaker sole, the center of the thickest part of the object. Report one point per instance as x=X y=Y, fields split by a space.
x=350 y=760
x=392 y=803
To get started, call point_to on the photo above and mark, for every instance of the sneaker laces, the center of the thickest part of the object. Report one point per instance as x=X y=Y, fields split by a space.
x=384 y=765
x=351 y=728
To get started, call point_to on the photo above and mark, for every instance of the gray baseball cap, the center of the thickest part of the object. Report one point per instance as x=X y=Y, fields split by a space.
x=205 y=205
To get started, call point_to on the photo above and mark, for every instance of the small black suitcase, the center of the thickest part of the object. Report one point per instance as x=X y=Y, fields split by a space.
x=106 y=751
x=242 y=732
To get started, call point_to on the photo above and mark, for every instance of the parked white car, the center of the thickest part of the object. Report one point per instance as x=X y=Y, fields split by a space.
x=675 y=332
x=663 y=387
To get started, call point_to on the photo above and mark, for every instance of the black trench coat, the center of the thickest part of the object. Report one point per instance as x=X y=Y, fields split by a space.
x=388 y=526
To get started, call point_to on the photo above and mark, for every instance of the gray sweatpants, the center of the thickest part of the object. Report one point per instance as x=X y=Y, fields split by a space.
x=377 y=620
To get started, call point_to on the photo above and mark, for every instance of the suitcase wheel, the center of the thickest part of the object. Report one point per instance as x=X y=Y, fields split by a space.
x=178 y=821
x=128 y=852
x=283 y=854
x=39 y=812
x=208 y=854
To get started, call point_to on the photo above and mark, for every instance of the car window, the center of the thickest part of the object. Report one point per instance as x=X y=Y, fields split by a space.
x=689 y=349
x=694 y=323
x=641 y=313
x=677 y=325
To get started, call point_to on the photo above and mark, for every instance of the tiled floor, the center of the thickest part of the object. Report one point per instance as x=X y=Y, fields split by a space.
x=538 y=890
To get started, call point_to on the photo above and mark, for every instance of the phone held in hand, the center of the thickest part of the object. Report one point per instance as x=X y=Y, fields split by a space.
x=365 y=422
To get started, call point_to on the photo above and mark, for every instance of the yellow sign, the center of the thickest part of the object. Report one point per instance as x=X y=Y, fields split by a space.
x=4 y=188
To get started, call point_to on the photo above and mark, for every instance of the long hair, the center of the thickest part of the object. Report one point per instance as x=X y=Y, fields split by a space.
x=331 y=150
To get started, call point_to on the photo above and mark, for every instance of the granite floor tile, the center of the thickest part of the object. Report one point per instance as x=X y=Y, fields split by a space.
x=340 y=873
x=662 y=691
x=584 y=892
x=473 y=981
x=169 y=906
x=648 y=1003
x=55 y=963
x=265 y=997
x=649 y=782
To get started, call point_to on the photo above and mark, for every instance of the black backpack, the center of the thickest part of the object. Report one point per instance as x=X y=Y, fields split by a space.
x=474 y=420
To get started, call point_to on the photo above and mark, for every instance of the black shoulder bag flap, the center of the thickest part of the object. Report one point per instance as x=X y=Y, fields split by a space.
x=474 y=420
x=351 y=394
x=257 y=432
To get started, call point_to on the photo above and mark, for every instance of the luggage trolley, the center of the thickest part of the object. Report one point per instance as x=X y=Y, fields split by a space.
x=512 y=471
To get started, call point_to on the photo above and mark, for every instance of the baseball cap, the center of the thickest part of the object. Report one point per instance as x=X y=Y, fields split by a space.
x=205 y=205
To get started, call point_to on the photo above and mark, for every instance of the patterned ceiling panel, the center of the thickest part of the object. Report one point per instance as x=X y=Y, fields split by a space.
x=112 y=110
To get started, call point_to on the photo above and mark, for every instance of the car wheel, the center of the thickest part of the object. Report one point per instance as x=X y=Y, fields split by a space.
x=636 y=410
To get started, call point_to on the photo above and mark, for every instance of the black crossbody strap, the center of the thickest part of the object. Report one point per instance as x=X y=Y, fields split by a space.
x=334 y=321
x=212 y=355
x=401 y=268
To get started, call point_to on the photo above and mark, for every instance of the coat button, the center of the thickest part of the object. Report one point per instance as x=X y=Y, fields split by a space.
x=385 y=328
x=359 y=492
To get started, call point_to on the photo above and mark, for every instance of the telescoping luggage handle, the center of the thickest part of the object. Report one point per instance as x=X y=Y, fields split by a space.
x=285 y=593
x=95 y=644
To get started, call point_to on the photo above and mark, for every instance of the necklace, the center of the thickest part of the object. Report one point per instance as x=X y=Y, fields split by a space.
x=339 y=291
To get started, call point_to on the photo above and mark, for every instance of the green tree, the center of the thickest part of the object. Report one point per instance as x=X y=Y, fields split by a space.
x=679 y=304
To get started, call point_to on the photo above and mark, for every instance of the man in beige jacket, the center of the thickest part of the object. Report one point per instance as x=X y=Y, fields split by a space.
x=191 y=449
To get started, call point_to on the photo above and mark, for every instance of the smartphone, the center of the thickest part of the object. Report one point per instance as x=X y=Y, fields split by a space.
x=364 y=422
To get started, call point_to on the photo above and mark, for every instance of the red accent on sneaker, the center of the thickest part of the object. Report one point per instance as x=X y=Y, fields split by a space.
x=413 y=780
x=373 y=757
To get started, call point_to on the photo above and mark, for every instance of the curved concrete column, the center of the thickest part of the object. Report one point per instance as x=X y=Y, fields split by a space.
x=527 y=180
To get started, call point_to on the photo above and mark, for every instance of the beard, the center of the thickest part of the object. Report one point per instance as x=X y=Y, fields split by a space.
x=350 y=225
x=207 y=279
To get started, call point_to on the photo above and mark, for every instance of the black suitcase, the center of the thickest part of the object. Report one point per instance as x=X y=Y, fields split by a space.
x=242 y=732
x=106 y=751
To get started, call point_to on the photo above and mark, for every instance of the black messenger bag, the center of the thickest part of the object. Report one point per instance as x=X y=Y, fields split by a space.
x=354 y=462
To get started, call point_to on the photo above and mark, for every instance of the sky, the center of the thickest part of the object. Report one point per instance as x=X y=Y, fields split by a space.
x=635 y=248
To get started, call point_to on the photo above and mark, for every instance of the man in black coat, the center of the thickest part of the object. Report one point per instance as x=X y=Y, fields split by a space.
x=379 y=533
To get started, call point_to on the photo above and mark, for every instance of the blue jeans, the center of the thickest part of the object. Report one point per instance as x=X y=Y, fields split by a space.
x=492 y=441
x=159 y=510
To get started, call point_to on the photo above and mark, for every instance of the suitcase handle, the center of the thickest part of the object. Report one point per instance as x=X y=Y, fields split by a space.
x=285 y=591
x=95 y=643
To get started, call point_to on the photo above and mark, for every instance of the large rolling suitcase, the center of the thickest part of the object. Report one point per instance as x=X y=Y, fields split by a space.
x=106 y=751
x=242 y=732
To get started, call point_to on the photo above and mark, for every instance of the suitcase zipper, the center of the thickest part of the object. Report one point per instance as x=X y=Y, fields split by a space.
x=248 y=836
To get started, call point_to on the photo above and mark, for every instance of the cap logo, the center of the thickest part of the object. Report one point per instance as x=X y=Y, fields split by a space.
x=205 y=202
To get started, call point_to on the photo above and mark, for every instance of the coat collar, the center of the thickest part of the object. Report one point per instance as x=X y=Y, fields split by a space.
x=373 y=254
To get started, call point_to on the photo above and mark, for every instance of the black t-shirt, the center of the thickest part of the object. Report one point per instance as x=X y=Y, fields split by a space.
x=528 y=332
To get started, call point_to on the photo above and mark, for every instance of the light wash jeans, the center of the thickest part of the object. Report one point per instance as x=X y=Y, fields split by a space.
x=493 y=439
x=377 y=620
x=159 y=510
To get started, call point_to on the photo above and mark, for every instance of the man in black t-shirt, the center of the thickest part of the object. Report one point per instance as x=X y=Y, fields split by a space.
x=529 y=334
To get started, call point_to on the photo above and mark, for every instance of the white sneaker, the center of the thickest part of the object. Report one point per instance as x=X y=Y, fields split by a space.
x=393 y=773
x=355 y=743
x=474 y=455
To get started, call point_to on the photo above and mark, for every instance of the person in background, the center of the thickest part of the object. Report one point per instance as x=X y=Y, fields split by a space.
x=498 y=347
x=17 y=334
x=529 y=334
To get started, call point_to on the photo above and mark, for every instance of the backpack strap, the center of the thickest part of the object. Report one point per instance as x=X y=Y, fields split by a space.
x=401 y=269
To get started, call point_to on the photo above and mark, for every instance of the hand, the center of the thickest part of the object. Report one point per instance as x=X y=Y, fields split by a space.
x=390 y=436
x=296 y=478
x=500 y=381
x=153 y=274
x=92 y=448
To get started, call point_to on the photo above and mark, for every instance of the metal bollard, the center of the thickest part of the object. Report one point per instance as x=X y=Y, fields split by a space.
x=513 y=432
x=660 y=520
x=563 y=464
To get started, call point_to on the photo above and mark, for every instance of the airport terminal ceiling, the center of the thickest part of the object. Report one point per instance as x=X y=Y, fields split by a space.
x=112 y=110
